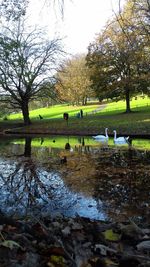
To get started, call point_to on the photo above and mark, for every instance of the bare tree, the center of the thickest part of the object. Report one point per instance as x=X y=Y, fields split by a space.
x=14 y=9
x=27 y=60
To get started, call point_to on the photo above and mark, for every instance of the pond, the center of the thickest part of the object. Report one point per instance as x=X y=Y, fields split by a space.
x=42 y=176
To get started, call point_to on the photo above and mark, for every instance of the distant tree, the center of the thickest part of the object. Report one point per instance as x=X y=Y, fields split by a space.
x=73 y=81
x=27 y=60
x=47 y=95
x=4 y=108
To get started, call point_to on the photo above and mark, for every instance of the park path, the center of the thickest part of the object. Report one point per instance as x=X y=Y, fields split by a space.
x=101 y=107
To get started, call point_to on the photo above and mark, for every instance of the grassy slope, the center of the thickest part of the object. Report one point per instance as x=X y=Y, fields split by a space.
x=55 y=112
x=112 y=117
x=136 y=105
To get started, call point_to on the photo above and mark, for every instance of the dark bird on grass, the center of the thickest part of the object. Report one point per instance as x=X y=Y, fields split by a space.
x=40 y=117
x=67 y=146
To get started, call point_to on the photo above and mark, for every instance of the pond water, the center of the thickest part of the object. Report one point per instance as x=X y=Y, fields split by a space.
x=103 y=181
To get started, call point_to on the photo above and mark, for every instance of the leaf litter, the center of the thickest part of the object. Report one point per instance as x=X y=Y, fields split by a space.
x=81 y=242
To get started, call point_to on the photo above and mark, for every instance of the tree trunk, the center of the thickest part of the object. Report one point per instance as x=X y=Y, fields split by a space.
x=85 y=101
x=27 y=148
x=25 y=113
x=127 y=95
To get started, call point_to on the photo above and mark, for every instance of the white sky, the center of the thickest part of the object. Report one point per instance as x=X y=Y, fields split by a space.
x=83 y=19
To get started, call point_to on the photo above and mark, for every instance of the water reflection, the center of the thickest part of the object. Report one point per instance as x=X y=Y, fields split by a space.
x=60 y=141
x=125 y=190
x=96 y=181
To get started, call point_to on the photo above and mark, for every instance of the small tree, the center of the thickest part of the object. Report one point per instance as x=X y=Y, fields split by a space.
x=27 y=60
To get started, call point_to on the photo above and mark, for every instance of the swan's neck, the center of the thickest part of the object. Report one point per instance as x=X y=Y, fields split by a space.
x=115 y=135
x=106 y=133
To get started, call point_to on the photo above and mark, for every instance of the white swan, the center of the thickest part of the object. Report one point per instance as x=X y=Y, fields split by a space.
x=120 y=140
x=102 y=137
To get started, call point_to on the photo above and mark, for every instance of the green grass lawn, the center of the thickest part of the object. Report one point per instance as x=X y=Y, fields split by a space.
x=137 y=104
x=55 y=112
x=111 y=116
x=111 y=108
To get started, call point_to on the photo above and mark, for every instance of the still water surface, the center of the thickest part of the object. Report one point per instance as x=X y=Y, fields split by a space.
x=92 y=179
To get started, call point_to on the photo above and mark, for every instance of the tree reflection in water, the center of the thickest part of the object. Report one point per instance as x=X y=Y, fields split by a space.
x=25 y=184
x=115 y=180
x=118 y=179
x=124 y=189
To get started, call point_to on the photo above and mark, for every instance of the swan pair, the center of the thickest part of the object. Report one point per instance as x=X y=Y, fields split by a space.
x=119 y=140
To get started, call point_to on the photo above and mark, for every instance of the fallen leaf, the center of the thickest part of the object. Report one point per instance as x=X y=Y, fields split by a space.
x=10 y=228
x=77 y=226
x=96 y=261
x=57 y=251
x=111 y=236
x=103 y=249
x=66 y=231
x=56 y=260
x=145 y=245
x=110 y=263
x=10 y=244
x=1 y=227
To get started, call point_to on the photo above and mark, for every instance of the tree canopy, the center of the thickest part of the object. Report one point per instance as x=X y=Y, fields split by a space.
x=27 y=60
x=15 y=9
x=119 y=56
x=73 y=81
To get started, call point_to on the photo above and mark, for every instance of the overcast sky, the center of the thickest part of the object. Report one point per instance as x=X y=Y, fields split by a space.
x=82 y=20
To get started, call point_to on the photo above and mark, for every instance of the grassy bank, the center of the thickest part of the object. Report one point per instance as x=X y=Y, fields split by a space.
x=134 y=123
x=93 y=122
